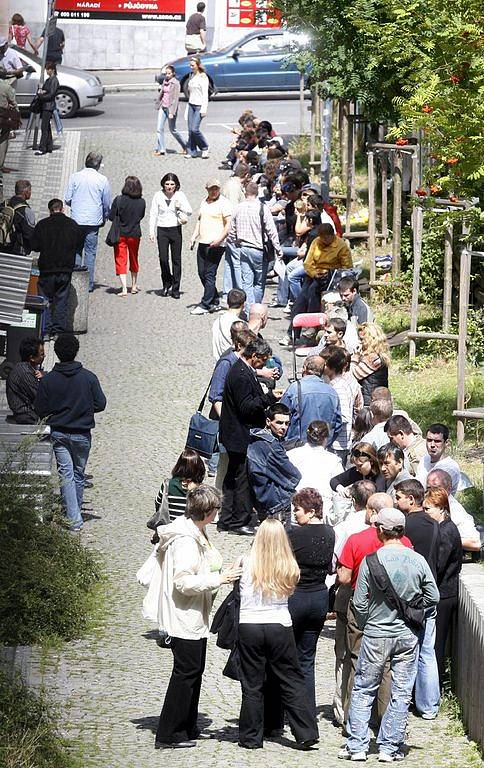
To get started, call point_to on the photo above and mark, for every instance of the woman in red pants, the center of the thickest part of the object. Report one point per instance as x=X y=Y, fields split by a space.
x=129 y=209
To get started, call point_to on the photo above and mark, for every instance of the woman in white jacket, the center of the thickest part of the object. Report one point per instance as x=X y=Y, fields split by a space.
x=197 y=107
x=191 y=573
x=169 y=210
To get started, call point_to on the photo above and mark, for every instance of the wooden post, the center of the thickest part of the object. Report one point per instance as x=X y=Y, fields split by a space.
x=371 y=215
x=384 y=197
x=464 y=285
x=397 y=213
x=326 y=128
x=417 y=258
x=350 y=172
x=414 y=182
x=343 y=137
x=301 y=105
x=447 y=303
x=312 y=140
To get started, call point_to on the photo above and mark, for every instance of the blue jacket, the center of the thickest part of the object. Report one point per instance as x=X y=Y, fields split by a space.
x=320 y=402
x=272 y=477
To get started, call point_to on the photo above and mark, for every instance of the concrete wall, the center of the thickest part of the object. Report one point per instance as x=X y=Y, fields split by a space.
x=129 y=44
x=468 y=651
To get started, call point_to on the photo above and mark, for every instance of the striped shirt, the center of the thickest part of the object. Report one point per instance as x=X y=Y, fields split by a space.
x=245 y=227
x=346 y=396
x=177 y=498
x=22 y=386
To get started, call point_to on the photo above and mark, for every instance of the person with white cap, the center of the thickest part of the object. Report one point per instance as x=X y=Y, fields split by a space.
x=394 y=588
x=211 y=229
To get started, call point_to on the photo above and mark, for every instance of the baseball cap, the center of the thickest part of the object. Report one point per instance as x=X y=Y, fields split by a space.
x=312 y=188
x=389 y=518
x=213 y=182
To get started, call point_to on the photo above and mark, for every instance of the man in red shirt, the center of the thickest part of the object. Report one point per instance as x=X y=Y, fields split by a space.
x=358 y=546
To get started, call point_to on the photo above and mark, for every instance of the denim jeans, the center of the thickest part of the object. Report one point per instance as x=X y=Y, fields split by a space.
x=308 y=611
x=374 y=653
x=160 y=129
x=427 y=687
x=196 y=138
x=253 y=267
x=71 y=451
x=289 y=255
x=55 y=287
x=86 y=257
x=232 y=271
x=295 y=275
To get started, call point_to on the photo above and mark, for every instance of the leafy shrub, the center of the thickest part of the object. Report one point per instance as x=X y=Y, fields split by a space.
x=29 y=736
x=47 y=576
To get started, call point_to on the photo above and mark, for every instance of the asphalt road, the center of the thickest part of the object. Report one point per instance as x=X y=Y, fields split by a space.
x=120 y=110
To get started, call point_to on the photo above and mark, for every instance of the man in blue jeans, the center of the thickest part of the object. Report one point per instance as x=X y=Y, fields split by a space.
x=68 y=397
x=89 y=196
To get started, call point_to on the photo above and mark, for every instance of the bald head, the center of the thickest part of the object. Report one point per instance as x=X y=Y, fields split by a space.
x=437 y=478
x=313 y=365
x=257 y=316
x=375 y=503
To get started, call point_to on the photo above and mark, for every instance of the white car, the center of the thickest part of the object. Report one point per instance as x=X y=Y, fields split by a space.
x=77 y=89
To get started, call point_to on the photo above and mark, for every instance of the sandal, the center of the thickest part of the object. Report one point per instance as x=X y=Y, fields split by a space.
x=135 y=290
x=123 y=294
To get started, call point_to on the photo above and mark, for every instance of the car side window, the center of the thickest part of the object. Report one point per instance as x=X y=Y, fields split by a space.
x=265 y=44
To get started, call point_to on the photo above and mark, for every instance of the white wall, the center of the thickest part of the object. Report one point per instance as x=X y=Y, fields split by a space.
x=129 y=44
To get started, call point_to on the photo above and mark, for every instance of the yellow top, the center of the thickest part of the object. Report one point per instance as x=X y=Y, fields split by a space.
x=321 y=258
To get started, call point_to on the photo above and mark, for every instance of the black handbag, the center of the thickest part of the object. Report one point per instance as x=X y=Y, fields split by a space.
x=225 y=623
x=202 y=432
x=10 y=118
x=267 y=246
x=114 y=234
x=35 y=105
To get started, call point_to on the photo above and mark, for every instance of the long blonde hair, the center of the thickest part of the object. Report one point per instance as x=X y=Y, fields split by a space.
x=273 y=567
x=375 y=342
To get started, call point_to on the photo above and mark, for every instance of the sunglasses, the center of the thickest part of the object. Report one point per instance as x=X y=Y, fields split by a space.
x=361 y=455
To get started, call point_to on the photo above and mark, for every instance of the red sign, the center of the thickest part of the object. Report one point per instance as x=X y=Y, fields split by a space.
x=140 y=10
x=252 y=13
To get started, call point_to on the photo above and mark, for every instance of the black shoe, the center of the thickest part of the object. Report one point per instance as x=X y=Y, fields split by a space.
x=249 y=746
x=222 y=529
x=88 y=477
x=87 y=484
x=306 y=744
x=40 y=153
x=165 y=291
x=245 y=530
x=175 y=294
x=175 y=744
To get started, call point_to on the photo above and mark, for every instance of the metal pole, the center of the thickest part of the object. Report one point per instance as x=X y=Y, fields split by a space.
x=464 y=285
x=326 y=131
x=371 y=215
x=397 y=213
x=301 y=105
x=417 y=258
x=312 y=139
x=447 y=303
x=350 y=171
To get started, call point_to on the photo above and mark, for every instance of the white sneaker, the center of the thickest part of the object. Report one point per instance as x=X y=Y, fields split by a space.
x=384 y=757
x=199 y=311
x=355 y=757
x=286 y=341
x=429 y=715
x=288 y=308
x=205 y=153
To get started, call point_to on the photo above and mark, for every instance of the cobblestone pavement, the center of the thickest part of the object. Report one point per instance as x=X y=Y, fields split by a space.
x=153 y=360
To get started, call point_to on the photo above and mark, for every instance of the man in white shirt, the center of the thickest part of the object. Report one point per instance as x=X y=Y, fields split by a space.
x=437 y=441
x=471 y=539
x=380 y=411
x=221 y=340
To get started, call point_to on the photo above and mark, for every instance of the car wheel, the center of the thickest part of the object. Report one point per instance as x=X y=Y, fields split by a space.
x=211 y=89
x=67 y=102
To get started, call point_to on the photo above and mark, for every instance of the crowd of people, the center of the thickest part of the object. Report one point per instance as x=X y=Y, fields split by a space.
x=351 y=505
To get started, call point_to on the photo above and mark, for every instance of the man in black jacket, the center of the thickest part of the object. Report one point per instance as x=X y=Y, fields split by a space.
x=243 y=408
x=68 y=397
x=57 y=238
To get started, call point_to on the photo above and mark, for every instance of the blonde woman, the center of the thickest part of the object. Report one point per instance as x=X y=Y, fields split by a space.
x=197 y=107
x=370 y=365
x=269 y=670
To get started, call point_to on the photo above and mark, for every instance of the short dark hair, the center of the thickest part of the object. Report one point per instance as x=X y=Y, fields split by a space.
x=390 y=449
x=94 y=160
x=241 y=336
x=132 y=187
x=276 y=408
x=398 y=424
x=29 y=347
x=411 y=487
x=381 y=409
x=348 y=284
x=266 y=124
x=317 y=432
x=309 y=498
x=55 y=205
x=251 y=189
x=337 y=360
x=338 y=324
x=170 y=177
x=241 y=170
x=21 y=186
x=395 y=533
x=325 y=229
x=258 y=347
x=200 y=7
x=201 y=501
x=52 y=66
x=169 y=66
x=189 y=466
x=439 y=429
x=236 y=298
x=314 y=217
x=315 y=200
x=66 y=347
x=361 y=491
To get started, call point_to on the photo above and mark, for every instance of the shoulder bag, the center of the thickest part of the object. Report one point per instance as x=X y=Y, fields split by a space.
x=267 y=246
x=114 y=234
x=202 y=432
x=412 y=612
x=10 y=118
x=162 y=515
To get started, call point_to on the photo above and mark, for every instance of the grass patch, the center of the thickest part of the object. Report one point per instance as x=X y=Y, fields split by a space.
x=451 y=708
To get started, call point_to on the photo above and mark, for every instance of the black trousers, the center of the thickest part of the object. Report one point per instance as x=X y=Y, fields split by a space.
x=309 y=300
x=46 y=143
x=446 y=609
x=274 y=645
x=208 y=260
x=236 y=505
x=170 y=240
x=178 y=719
x=56 y=289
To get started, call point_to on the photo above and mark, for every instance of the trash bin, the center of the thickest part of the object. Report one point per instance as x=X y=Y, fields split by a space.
x=30 y=325
x=78 y=306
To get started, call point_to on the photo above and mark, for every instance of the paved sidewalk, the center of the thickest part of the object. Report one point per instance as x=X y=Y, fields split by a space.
x=154 y=360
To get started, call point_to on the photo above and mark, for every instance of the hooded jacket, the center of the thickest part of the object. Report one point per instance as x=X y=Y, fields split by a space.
x=272 y=477
x=183 y=581
x=69 y=396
